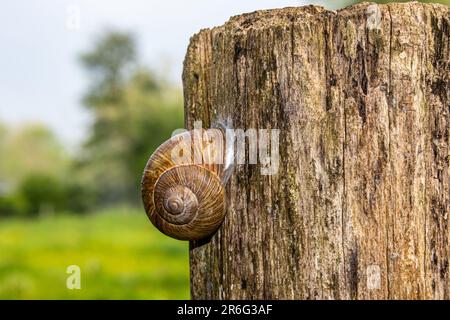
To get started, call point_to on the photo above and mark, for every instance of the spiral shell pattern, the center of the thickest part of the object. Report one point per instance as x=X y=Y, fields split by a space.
x=183 y=200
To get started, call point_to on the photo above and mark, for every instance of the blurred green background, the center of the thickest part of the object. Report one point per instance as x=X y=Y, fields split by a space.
x=59 y=209
x=61 y=206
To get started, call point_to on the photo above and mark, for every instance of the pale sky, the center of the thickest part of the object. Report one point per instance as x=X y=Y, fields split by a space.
x=40 y=78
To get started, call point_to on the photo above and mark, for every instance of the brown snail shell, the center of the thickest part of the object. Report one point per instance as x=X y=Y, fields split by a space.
x=184 y=199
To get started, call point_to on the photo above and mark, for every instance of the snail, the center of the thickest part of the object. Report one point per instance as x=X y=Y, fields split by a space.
x=183 y=185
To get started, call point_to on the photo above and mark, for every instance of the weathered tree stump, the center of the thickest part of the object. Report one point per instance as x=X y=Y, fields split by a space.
x=359 y=208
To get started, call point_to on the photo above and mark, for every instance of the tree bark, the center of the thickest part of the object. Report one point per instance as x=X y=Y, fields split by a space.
x=359 y=208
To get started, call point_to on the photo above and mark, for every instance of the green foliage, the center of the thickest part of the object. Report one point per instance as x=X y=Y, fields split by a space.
x=32 y=165
x=134 y=110
x=3 y=132
x=79 y=197
x=150 y=116
x=28 y=149
x=120 y=254
x=108 y=63
x=11 y=205
x=42 y=194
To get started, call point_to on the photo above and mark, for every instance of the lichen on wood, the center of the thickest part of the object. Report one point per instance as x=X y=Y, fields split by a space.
x=359 y=208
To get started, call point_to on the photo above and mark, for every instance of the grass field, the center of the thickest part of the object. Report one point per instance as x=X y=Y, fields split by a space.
x=121 y=256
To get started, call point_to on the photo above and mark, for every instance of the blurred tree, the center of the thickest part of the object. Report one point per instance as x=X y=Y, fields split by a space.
x=42 y=193
x=108 y=65
x=28 y=149
x=79 y=196
x=33 y=165
x=2 y=161
x=2 y=132
x=134 y=109
x=11 y=205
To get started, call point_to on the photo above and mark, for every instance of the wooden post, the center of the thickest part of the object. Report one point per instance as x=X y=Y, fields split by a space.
x=359 y=208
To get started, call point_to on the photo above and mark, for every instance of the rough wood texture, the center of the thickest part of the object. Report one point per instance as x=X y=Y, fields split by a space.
x=364 y=184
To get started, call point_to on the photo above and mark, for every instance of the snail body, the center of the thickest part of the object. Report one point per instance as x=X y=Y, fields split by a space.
x=184 y=197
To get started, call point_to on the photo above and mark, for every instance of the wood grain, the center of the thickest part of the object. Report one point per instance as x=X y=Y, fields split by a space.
x=360 y=205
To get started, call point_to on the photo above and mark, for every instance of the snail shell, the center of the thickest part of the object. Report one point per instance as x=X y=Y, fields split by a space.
x=185 y=199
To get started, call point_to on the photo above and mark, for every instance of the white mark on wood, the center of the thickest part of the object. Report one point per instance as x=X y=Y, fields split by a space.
x=373 y=277
x=373 y=17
